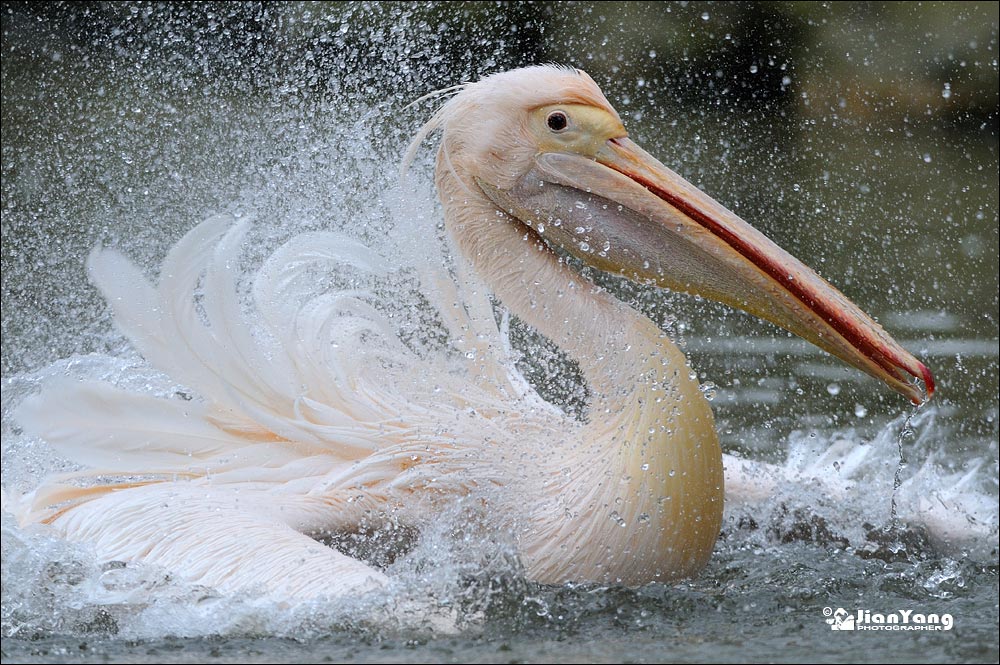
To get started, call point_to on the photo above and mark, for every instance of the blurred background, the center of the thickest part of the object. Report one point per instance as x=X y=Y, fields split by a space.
x=861 y=137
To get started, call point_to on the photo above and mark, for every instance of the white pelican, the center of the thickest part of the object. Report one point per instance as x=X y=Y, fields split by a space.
x=312 y=417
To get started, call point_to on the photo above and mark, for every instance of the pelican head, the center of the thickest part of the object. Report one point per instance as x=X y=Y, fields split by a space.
x=545 y=146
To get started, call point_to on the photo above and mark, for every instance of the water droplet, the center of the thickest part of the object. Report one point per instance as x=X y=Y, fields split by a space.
x=643 y=518
x=709 y=390
x=753 y=69
x=927 y=158
x=946 y=93
x=860 y=411
x=644 y=467
x=705 y=16
x=584 y=247
x=833 y=389
x=541 y=607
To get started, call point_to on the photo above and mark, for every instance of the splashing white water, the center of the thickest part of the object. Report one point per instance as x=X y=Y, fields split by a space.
x=340 y=180
x=845 y=489
x=836 y=487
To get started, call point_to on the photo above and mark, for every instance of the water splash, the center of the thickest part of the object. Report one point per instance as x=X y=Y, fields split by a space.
x=851 y=490
x=905 y=432
x=303 y=172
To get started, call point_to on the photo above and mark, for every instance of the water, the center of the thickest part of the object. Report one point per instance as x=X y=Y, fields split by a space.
x=131 y=137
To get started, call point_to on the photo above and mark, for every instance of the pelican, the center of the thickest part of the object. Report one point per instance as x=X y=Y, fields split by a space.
x=311 y=416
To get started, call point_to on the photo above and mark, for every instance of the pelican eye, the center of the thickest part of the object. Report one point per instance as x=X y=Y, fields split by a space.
x=557 y=121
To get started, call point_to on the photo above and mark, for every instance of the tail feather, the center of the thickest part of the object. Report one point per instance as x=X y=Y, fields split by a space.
x=189 y=340
x=133 y=301
x=98 y=425
x=264 y=379
x=234 y=540
x=313 y=384
x=286 y=280
x=52 y=500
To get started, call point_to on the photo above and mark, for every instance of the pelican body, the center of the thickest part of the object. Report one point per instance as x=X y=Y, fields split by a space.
x=302 y=429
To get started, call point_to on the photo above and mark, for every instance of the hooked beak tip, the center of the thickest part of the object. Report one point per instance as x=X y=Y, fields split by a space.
x=928 y=379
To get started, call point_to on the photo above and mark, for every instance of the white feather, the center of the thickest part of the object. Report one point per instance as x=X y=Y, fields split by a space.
x=98 y=425
x=205 y=532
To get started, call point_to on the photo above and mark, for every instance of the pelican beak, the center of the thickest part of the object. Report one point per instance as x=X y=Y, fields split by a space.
x=622 y=211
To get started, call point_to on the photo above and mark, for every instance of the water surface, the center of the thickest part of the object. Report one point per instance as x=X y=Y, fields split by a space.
x=875 y=163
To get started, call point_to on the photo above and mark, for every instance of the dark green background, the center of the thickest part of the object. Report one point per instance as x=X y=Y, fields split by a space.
x=862 y=137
